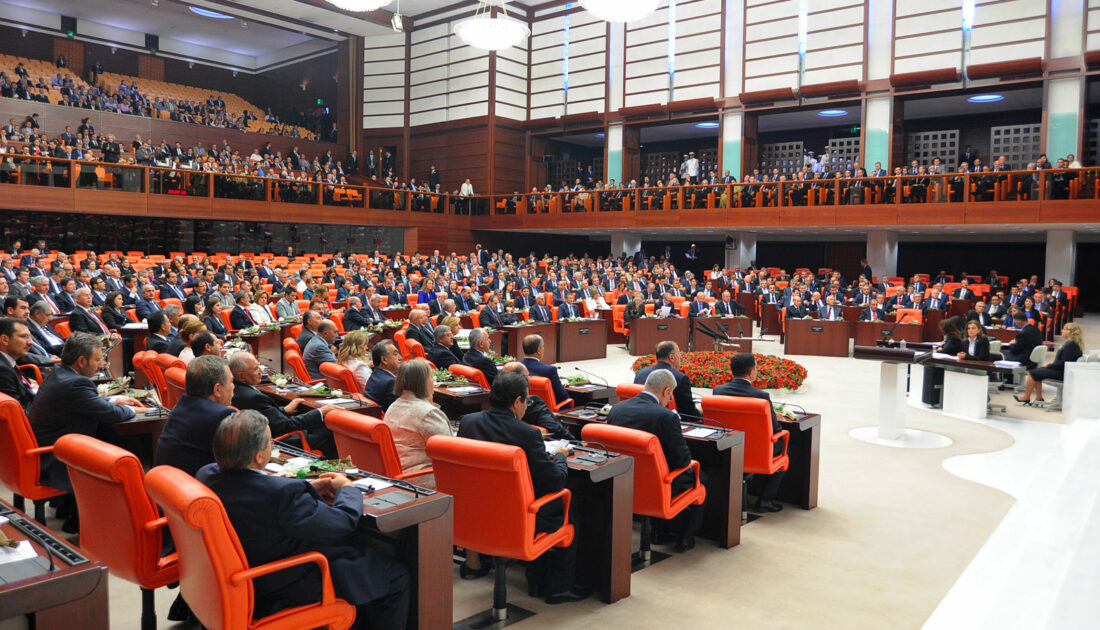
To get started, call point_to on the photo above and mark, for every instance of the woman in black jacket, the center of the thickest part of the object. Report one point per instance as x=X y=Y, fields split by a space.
x=977 y=344
x=1070 y=351
x=213 y=319
x=113 y=314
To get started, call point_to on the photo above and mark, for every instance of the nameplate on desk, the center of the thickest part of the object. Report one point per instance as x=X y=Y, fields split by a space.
x=662 y=326
x=582 y=331
x=817 y=329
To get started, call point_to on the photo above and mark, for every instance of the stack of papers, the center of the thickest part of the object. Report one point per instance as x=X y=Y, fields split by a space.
x=371 y=485
x=1007 y=364
x=940 y=355
x=466 y=389
x=553 y=446
x=700 y=432
x=343 y=401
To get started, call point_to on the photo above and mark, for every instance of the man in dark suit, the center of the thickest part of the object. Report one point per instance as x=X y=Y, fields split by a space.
x=419 y=329
x=160 y=336
x=188 y=437
x=647 y=412
x=442 y=353
x=38 y=321
x=979 y=315
x=276 y=518
x=81 y=319
x=68 y=402
x=668 y=358
x=282 y=420
x=538 y=414
x=865 y=271
x=728 y=307
x=700 y=307
x=540 y=312
x=875 y=312
x=743 y=369
x=387 y=359
x=354 y=318
x=239 y=317
x=147 y=303
x=480 y=343
x=1026 y=340
x=15 y=343
x=963 y=292
x=796 y=309
x=533 y=347
x=553 y=574
x=569 y=308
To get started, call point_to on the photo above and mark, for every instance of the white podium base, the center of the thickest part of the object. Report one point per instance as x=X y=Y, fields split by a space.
x=1081 y=391
x=908 y=438
x=965 y=395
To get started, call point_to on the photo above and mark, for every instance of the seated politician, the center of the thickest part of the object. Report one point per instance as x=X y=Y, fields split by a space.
x=276 y=518
x=187 y=440
x=387 y=359
x=668 y=358
x=1071 y=350
x=727 y=307
x=538 y=414
x=354 y=354
x=647 y=412
x=15 y=343
x=319 y=349
x=553 y=574
x=413 y=418
x=281 y=418
x=533 y=348
x=480 y=344
x=743 y=369
x=442 y=354
x=160 y=336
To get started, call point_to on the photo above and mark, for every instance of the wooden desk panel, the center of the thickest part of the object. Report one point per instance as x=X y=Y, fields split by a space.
x=817 y=337
x=548 y=331
x=647 y=332
x=582 y=340
x=867 y=333
x=800 y=483
x=701 y=342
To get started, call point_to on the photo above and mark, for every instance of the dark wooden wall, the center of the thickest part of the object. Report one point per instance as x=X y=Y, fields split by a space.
x=459 y=149
x=510 y=154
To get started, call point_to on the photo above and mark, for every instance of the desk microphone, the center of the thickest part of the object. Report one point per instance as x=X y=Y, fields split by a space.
x=740 y=330
x=34 y=535
x=787 y=404
x=886 y=334
x=702 y=422
x=584 y=371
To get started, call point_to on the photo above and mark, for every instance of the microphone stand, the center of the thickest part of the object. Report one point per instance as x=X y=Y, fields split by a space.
x=886 y=334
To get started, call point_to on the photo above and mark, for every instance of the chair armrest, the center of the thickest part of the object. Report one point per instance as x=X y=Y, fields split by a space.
x=41 y=450
x=155 y=524
x=786 y=435
x=315 y=557
x=301 y=436
x=565 y=404
x=417 y=473
x=676 y=473
x=564 y=494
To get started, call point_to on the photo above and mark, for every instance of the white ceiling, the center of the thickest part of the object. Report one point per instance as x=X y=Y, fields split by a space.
x=413 y=8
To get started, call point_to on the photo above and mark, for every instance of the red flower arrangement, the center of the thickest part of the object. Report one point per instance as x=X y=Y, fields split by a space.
x=708 y=369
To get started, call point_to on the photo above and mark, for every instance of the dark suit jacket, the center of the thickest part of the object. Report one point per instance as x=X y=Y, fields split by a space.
x=54 y=349
x=81 y=320
x=741 y=387
x=188 y=438
x=1025 y=341
x=538 y=368
x=567 y=310
x=441 y=356
x=539 y=415
x=541 y=313
x=796 y=312
x=240 y=318
x=498 y=424
x=733 y=308
x=12 y=384
x=490 y=318
x=380 y=388
x=172 y=345
x=64 y=302
x=354 y=319
x=682 y=394
x=215 y=325
x=474 y=358
x=865 y=314
x=144 y=307
x=68 y=402
x=276 y=517
x=693 y=310
x=981 y=349
x=421 y=334
x=248 y=397
x=645 y=413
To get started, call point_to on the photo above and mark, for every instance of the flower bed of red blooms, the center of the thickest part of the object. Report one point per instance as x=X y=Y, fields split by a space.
x=708 y=369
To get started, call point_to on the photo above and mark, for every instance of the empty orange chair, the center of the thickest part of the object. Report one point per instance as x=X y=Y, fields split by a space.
x=910 y=314
x=471 y=374
x=369 y=443
x=416 y=349
x=132 y=314
x=338 y=319
x=754 y=417
x=152 y=371
x=500 y=523
x=165 y=361
x=294 y=360
x=215 y=578
x=340 y=377
x=119 y=523
x=175 y=379
x=225 y=312
x=20 y=468
x=290 y=343
x=618 y=323
x=541 y=387
x=652 y=478
x=63 y=329
x=399 y=339
x=630 y=390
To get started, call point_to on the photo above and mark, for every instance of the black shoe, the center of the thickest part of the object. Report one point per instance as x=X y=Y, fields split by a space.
x=71 y=525
x=180 y=611
x=767 y=506
x=661 y=538
x=574 y=594
x=467 y=573
x=1004 y=387
x=534 y=590
x=685 y=544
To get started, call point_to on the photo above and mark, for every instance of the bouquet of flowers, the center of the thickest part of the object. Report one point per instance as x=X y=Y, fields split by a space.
x=708 y=369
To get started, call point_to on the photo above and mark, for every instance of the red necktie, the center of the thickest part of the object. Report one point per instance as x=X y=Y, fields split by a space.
x=53 y=306
x=100 y=322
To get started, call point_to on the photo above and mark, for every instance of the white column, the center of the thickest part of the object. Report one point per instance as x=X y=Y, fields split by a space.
x=1061 y=256
x=742 y=251
x=625 y=243
x=732 y=133
x=882 y=252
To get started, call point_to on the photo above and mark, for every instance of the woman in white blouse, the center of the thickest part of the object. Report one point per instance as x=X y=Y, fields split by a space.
x=413 y=418
x=258 y=308
x=353 y=354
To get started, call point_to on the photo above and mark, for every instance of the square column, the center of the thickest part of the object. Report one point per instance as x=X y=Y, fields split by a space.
x=1061 y=260
x=628 y=243
x=882 y=252
x=742 y=250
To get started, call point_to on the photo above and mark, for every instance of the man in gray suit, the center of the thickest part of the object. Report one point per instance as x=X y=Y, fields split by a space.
x=319 y=349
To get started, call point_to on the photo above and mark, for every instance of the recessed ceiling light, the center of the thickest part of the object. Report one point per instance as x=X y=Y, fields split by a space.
x=601 y=135
x=210 y=14
x=710 y=124
x=832 y=113
x=986 y=98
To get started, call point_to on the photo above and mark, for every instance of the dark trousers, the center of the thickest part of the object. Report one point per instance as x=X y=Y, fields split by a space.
x=389 y=612
x=688 y=522
x=554 y=571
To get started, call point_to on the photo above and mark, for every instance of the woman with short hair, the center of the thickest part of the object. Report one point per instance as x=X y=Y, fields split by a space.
x=413 y=418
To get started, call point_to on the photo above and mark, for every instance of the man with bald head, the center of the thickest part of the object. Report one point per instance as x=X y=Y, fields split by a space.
x=320 y=348
x=147 y=303
x=82 y=319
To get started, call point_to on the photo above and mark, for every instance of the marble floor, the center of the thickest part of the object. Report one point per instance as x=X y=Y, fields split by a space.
x=998 y=529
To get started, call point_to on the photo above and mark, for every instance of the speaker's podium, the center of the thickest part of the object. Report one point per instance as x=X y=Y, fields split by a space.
x=647 y=332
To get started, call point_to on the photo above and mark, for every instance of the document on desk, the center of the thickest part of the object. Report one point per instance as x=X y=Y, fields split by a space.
x=371 y=484
x=1007 y=364
x=948 y=357
x=344 y=402
x=553 y=446
x=700 y=432
x=24 y=551
x=466 y=389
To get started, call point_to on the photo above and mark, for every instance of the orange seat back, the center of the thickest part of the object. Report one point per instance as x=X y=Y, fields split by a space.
x=368 y=441
x=339 y=377
x=212 y=560
x=753 y=416
x=652 y=481
x=165 y=361
x=617 y=319
x=176 y=380
x=290 y=343
x=910 y=314
x=416 y=349
x=148 y=362
x=63 y=329
x=295 y=330
x=225 y=319
x=501 y=522
x=132 y=314
x=402 y=346
x=630 y=390
x=19 y=453
x=338 y=319
x=544 y=389
x=294 y=360
x=117 y=517
x=471 y=374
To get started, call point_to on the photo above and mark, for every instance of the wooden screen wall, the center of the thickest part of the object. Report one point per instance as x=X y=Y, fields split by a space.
x=151 y=68
x=74 y=54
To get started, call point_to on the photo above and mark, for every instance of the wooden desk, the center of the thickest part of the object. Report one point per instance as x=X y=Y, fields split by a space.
x=700 y=342
x=868 y=333
x=455 y=404
x=1005 y=335
x=851 y=315
x=960 y=307
x=548 y=331
x=582 y=395
x=817 y=337
x=603 y=502
x=397 y=314
x=932 y=319
x=421 y=532
x=735 y=344
x=769 y=318
x=134 y=336
x=367 y=408
x=66 y=598
x=150 y=424
x=722 y=455
x=748 y=300
x=582 y=340
x=267 y=347
x=116 y=360
x=647 y=332
x=804 y=450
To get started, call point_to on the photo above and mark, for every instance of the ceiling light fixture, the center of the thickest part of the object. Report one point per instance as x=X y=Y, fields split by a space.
x=486 y=31
x=621 y=10
x=359 y=6
x=396 y=23
x=986 y=98
x=210 y=14
x=710 y=124
x=832 y=113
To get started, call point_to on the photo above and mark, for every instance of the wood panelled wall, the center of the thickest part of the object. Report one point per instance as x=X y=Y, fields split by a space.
x=73 y=51
x=509 y=155
x=459 y=149
x=151 y=68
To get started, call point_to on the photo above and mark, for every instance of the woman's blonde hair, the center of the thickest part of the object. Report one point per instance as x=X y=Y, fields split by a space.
x=1074 y=333
x=354 y=346
x=449 y=321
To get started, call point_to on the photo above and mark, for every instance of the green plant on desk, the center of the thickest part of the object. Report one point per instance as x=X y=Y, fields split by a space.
x=576 y=380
